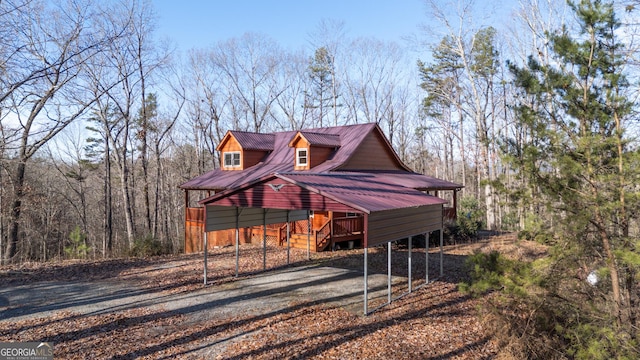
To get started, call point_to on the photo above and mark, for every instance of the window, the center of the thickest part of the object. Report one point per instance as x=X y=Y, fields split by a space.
x=302 y=157
x=232 y=159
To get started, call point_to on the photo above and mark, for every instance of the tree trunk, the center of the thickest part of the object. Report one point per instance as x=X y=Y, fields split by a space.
x=107 y=240
x=16 y=207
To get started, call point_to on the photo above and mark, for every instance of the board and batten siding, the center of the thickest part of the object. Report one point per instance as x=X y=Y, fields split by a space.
x=224 y=217
x=372 y=154
x=397 y=224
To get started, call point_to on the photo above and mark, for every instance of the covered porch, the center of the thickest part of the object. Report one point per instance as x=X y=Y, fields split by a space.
x=328 y=229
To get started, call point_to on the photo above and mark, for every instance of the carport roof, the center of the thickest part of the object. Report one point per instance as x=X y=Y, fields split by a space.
x=362 y=192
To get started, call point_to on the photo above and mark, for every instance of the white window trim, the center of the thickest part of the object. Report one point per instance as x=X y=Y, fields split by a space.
x=298 y=150
x=231 y=153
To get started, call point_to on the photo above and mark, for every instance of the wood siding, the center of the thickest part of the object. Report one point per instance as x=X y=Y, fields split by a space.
x=391 y=225
x=248 y=158
x=300 y=143
x=373 y=154
x=316 y=154
x=231 y=144
x=194 y=231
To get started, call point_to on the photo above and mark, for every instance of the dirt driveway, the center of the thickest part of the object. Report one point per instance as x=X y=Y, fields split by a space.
x=311 y=309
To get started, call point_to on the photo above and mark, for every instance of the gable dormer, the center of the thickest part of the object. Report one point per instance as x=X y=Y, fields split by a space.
x=240 y=149
x=312 y=149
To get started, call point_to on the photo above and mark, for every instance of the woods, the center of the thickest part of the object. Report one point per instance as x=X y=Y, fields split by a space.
x=100 y=121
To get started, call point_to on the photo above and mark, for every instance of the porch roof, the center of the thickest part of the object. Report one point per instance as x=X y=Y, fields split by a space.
x=360 y=192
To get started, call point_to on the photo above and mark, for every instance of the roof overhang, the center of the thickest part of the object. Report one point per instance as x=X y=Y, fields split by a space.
x=322 y=192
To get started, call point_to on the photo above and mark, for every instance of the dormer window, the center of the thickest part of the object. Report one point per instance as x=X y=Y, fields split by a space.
x=232 y=159
x=302 y=157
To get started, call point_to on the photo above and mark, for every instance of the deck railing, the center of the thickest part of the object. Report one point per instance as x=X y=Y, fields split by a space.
x=347 y=226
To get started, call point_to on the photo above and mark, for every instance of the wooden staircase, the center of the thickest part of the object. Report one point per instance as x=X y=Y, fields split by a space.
x=299 y=241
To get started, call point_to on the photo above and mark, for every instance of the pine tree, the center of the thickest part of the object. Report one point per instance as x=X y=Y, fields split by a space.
x=580 y=160
x=324 y=90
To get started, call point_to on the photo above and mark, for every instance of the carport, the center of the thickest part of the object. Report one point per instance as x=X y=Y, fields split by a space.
x=391 y=212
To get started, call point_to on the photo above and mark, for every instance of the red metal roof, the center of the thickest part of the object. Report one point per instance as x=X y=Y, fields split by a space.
x=318 y=139
x=329 y=192
x=281 y=160
x=254 y=141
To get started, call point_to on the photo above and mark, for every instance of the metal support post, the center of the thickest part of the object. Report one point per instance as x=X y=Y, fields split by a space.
x=389 y=272
x=366 y=283
x=288 y=238
x=441 y=254
x=309 y=235
x=264 y=239
x=206 y=245
x=409 y=262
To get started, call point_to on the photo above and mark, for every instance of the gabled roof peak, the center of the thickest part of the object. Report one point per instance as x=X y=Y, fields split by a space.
x=317 y=139
x=250 y=140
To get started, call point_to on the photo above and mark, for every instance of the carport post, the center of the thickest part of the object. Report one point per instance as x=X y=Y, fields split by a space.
x=441 y=254
x=426 y=262
x=206 y=245
x=389 y=272
x=409 y=262
x=366 y=282
x=237 y=239
x=288 y=237
x=264 y=239
x=309 y=235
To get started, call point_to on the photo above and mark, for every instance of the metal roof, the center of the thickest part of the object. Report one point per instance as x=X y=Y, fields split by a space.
x=281 y=160
x=254 y=141
x=357 y=191
x=318 y=139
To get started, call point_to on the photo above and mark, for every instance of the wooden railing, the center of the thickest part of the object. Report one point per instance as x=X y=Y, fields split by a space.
x=347 y=225
x=323 y=235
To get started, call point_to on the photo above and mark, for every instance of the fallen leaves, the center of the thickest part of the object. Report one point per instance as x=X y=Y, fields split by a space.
x=435 y=321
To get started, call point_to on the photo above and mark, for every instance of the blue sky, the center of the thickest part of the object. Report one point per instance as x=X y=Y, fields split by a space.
x=199 y=24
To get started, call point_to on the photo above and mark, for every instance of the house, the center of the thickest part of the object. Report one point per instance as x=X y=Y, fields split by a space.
x=318 y=189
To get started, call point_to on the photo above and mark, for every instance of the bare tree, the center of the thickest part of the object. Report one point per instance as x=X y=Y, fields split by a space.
x=207 y=100
x=250 y=66
x=375 y=74
x=295 y=84
x=475 y=49
x=43 y=90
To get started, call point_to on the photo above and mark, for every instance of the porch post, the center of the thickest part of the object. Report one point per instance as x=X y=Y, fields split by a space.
x=206 y=245
x=264 y=239
x=333 y=245
x=389 y=272
x=455 y=204
x=441 y=254
x=186 y=211
x=409 y=262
